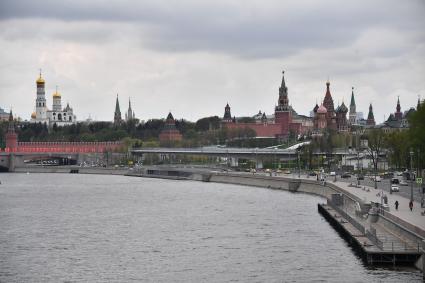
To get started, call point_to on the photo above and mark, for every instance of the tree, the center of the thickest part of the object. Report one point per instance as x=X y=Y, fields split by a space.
x=417 y=133
x=207 y=123
x=398 y=144
x=376 y=140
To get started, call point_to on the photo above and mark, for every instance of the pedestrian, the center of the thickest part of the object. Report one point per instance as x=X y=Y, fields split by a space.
x=396 y=205
x=411 y=205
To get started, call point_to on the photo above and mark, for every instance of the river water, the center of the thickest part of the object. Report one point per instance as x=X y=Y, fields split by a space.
x=95 y=228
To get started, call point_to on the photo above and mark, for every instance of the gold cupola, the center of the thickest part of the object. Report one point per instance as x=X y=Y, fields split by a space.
x=40 y=79
x=56 y=94
x=33 y=116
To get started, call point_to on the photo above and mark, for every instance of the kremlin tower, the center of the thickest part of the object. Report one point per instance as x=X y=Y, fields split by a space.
x=117 y=113
x=398 y=114
x=283 y=113
x=227 y=118
x=130 y=113
x=11 y=136
x=353 y=113
x=170 y=132
x=370 y=118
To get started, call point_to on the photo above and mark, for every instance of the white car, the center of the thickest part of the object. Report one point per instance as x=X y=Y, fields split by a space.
x=395 y=188
x=403 y=183
x=378 y=179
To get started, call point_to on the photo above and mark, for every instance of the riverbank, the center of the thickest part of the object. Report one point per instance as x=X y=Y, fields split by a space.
x=75 y=169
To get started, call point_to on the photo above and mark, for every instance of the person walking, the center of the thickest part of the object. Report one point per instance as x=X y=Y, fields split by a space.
x=396 y=205
x=411 y=205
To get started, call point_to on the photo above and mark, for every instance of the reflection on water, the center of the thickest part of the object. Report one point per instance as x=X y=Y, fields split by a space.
x=65 y=227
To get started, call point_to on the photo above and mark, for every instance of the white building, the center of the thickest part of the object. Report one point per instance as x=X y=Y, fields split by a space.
x=58 y=115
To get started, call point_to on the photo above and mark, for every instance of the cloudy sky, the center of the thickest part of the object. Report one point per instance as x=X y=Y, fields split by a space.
x=192 y=57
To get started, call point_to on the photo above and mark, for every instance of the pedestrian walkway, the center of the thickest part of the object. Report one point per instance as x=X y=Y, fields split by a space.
x=370 y=194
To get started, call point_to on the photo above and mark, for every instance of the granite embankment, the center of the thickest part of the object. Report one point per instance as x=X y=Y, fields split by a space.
x=72 y=169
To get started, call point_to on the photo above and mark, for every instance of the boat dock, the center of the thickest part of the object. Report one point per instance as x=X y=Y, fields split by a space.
x=374 y=243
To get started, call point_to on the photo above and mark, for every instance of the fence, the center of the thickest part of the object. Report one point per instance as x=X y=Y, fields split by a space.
x=371 y=235
x=348 y=217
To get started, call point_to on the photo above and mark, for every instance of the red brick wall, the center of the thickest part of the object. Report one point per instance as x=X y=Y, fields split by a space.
x=170 y=135
x=284 y=119
x=71 y=147
x=262 y=130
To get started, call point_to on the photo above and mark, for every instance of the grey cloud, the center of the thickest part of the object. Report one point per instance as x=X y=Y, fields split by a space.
x=258 y=29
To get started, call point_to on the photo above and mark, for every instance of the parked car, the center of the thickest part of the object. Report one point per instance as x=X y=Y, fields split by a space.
x=346 y=175
x=360 y=177
x=332 y=174
x=287 y=172
x=395 y=181
x=395 y=188
x=312 y=173
x=378 y=179
x=403 y=183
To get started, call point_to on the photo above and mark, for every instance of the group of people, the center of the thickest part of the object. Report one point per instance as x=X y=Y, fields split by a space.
x=410 y=205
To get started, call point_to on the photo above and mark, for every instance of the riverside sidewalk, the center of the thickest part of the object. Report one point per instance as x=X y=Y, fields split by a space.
x=413 y=217
x=370 y=194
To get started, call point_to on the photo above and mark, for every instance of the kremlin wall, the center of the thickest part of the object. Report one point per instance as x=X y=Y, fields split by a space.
x=13 y=146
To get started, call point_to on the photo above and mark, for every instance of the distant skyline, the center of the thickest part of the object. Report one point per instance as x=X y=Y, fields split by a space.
x=193 y=57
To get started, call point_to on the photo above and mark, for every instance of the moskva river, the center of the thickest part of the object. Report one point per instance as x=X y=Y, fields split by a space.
x=95 y=228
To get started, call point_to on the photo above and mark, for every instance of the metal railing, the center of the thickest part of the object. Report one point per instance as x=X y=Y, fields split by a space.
x=348 y=217
x=371 y=235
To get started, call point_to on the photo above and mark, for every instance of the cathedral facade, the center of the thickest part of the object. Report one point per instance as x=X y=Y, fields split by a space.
x=57 y=115
x=326 y=117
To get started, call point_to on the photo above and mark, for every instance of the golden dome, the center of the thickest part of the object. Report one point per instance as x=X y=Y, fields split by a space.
x=33 y=115
x=56 y=94
x=40 y=80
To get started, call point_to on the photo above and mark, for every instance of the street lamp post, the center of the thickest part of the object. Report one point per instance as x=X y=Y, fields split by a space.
x=299 y=168
x=411 y=175
x=375 y=169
